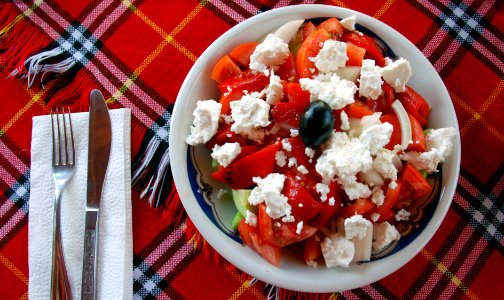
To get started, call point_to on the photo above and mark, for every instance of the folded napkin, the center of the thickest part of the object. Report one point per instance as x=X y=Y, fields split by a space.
x=115 y=256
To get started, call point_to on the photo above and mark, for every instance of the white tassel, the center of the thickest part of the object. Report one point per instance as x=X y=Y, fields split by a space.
x=165 y=161
x=36 y=65
x=149 y=154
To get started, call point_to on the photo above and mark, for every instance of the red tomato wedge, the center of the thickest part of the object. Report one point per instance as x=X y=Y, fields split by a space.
x=239 y=174
x=395 y=138
x=391 y=197
x=224 y=69
x=366 y=42
x=297 y=196
x=227 y=98
x=417 y=136
x=384 y=102
x=312 y=250
x=282 y=235
x=355 y=55
x=295 y=94
x=252 y=238
x=241 y=54
x=333 y=26
x=359 y=207
x=246 y=80
x=329 y=211
x=288 y=112
x=225 y=135
x=310 y=48
x=308 y=29
x=411 y=176
x=287 y=70
x=357 y=110
x=415 y=105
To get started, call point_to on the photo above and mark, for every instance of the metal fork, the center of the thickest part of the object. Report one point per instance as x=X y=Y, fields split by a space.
x=63 y=167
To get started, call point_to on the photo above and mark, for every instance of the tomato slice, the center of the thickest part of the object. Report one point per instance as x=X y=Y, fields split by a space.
x=308 y=29
x=297 y=196
x=366 y=42
x=224 y=69
x=415 y=105
x=246 y=80
x=282 y=235
x=411 y=176
x=333 y=26
x=239 y=174
x=417 y=134
x=359 y=207
x=225 y=135
x=310 y=48
x=312 y=250
x=252 y=238
x=295 y=94
x=391 y=197
x=241 y=53
x=288 y=112
x=329 y=211
x=287 y=70
x=227 y=98
x=357 y=110
x=355 y=55
x=395 y=138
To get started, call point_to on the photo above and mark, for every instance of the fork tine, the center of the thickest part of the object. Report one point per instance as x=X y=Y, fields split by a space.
x=71 y=136
x=59 y=136
x=65 y=162
x=53 y=138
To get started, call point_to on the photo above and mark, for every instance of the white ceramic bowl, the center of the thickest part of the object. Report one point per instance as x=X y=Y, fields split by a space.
x=292 y=273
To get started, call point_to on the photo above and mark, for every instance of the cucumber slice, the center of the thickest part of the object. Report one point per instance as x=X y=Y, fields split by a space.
x=240 y=198
x=236 y=220
x=215 y=165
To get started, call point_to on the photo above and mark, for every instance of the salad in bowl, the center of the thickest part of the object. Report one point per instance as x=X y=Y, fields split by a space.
x=323 y=147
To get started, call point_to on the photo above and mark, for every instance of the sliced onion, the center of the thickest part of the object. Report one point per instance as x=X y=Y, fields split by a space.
x=368 y=121
x=348 y=73
x=397 y=162
x=405 y=123
x=372 y=177
x=287 y=31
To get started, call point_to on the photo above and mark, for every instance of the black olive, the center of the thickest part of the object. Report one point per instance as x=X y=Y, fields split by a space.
x=316 y=124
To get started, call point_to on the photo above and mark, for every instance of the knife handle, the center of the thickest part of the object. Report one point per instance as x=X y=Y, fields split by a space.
x=89 y=267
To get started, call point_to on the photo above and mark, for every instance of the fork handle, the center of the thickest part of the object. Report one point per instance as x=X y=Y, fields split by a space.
x=89 y=268
x=60 y=285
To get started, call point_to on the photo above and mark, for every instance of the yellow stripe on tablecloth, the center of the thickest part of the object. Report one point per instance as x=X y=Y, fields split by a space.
x=477 y=115
x=441 y=267
x=383 y=9
x=21 y=16
x=245 y=286
x=25 y=296
x=6 y=262
x=334 y=296
x=340 y=3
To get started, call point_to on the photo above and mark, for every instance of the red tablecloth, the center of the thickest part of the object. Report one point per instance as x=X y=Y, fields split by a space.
x=138 y=53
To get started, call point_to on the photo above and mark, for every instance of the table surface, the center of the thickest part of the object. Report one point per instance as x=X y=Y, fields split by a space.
x=138 y=53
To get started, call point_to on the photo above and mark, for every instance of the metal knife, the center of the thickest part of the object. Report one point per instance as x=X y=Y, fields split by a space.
x=100 y=134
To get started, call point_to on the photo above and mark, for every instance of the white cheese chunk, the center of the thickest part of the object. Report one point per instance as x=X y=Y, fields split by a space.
x=337 y=250
x=397 y=74
x=269 y=190
x=360 y=231
x=349 y=23
x=331 y=56
x=323 y=190
x=377 y=196
x=345 y=125
x=273 y=51
x=370 y=81
x=274 y=90
x=384 y=164
x=439 y=145
x=249 y=115
x=350 y=73
x=294 y=132
x=377 y=136
x=286 y=145
x=299 y=227
x=384 y=234
x=309 y=152
x=292 y=162
x=336 y=92
x=402 y=215
x=250 y=218
x=280 y=158
x=355 y=189
x=226 y=153
x=205 y=123
x=302 y=169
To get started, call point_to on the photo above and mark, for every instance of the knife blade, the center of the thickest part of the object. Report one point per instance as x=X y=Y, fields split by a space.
x=100 y=134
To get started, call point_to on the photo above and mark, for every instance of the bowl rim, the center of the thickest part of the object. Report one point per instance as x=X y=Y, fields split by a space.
x=353 y=277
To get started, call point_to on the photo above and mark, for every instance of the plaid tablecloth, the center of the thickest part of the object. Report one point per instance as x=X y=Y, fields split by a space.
x=138 y=53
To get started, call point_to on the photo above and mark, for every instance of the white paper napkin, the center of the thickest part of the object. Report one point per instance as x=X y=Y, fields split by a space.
x=115 y=257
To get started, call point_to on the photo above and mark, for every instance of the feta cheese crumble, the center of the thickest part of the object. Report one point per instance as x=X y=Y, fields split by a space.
x=269 y=190
x=345 y=124
x=439 y=144
x=299 y=227
x=377 y=196
x=356 y=227
x=360 y=231
x=280 y=158
x=273 y=51
x=294 y=132
x=331 y=57
x=250 y=218
x=292 y=162
x=309 y=152
x=205 y=123
x=286 y=145
x=337 y=250
x=397 y=74
x=377 y=136
x=349 y=23
x=402 y=215
x=274 y=90
x=336 y=92
x=370 y=81
x=323 y=190
x=383 y=163
x=249 y=114
x=226 y=153
x=302 y=169
x=383 y=235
